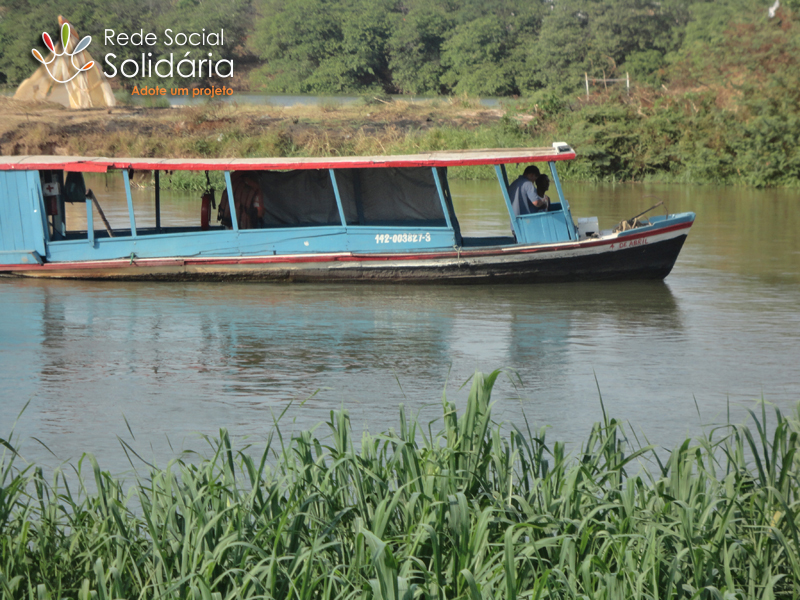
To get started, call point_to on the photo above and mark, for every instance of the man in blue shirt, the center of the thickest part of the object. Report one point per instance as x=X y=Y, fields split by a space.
x=524 y=199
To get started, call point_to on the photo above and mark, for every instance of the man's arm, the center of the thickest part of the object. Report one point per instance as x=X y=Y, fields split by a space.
x=541 y=203
x=530 y=194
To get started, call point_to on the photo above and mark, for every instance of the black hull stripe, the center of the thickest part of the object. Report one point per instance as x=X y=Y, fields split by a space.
x=648 y=261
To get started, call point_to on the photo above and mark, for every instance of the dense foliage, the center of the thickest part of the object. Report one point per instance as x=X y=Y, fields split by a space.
x=493 y=48
x=715 y=94
x=500 y=47
x=472 y=511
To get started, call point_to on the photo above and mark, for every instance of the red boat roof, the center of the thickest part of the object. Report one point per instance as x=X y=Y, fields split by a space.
x=449 y=158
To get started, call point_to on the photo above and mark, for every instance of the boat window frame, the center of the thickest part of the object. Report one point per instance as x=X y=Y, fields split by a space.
x=339 y=205
x=564 y=204
x=442 y=200
x=231 y=202
x=89 y=222
x=59 y=222
x=442 y=188
x=502 y=178
x=157 y=178
x=131 y=217
x=156 y=174
x=449 y=208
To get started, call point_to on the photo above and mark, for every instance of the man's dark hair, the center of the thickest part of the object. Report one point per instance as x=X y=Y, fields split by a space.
x=531 y=169
x=542 y=184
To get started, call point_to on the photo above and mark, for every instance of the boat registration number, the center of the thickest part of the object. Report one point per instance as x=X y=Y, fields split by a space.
x=398 y=238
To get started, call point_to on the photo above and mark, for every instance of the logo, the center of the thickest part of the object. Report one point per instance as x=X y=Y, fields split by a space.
x=65 y=39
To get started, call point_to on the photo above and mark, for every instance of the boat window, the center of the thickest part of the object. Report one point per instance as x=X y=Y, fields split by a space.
x=265 y=199
x=390 y=196
x=64 y=196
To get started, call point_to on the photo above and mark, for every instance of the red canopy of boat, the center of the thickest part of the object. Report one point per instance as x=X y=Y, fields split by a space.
x=449 y=158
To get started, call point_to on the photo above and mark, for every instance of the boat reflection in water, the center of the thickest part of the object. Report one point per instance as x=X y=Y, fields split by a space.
x=177 y=359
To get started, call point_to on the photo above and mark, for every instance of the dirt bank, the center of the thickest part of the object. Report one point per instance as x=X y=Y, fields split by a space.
x=226 y=130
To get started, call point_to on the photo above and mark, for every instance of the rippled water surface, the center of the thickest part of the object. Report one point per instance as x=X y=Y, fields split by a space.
x=175 y=360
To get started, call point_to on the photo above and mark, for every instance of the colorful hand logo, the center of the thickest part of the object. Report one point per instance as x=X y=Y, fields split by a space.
x=65 y=33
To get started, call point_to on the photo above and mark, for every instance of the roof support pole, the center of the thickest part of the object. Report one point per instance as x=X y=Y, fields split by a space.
x=127 y=179
x=502 y=177
x=505 y=175
x=231 y=203
x=158 y=200
x=59 y=224
x=39 y=203
x=338 y=198
x=441 y=197
x=89 y=222
x=564 y=203
x=451 y=209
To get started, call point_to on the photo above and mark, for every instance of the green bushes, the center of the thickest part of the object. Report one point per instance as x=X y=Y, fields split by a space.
x=470 y=511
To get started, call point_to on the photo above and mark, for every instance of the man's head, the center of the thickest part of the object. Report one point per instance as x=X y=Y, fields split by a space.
x=531 y=172
x=542 y=184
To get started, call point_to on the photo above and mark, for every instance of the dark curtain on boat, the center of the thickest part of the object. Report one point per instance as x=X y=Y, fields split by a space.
x=297 y=198
x=384 y=196
x=390 y=196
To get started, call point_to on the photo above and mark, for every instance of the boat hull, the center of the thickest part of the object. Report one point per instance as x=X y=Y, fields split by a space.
x=649 y=254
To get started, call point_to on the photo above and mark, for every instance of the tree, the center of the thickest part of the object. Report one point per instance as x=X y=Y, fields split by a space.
x=599 y=37
x=563 y=51
x=485 y=54
x=415 y=46
x=322 y=46
x=475 y=59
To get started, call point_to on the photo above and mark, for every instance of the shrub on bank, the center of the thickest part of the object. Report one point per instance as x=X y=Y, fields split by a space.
x=469 y=511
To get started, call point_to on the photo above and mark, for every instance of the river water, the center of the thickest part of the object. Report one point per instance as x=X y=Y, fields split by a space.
x=174 y=361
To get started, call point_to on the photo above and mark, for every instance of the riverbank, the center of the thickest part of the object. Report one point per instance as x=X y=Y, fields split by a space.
x=241 y=130
x=471 y=511
x=678 y=137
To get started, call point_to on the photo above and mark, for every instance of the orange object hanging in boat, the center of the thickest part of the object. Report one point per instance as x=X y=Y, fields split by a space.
x=51 y=205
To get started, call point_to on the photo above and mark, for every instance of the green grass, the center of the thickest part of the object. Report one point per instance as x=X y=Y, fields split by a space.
x=459 y=508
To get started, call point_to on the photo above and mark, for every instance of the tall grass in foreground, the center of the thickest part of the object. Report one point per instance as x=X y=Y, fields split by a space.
x=470 y=511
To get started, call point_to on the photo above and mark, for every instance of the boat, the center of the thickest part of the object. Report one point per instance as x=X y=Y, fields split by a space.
x=375 y=218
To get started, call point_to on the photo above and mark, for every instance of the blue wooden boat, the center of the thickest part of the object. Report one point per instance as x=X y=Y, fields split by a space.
x=388 y=218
